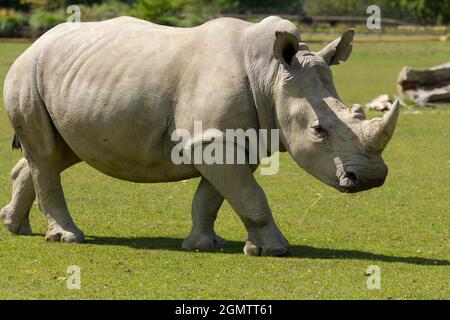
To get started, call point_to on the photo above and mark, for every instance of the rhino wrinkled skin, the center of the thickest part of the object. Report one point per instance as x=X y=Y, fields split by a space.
x=111 y=93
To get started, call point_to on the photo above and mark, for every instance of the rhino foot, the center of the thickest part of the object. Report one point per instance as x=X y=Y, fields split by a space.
x=266 y=241
x=58 y=234
x=203 y=242
x=11 y=223
x=251 y=249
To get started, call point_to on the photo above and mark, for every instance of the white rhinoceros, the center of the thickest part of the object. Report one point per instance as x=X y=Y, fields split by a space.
x=111 y=94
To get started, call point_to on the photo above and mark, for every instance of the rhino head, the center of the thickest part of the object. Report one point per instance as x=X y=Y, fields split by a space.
x=333 y=142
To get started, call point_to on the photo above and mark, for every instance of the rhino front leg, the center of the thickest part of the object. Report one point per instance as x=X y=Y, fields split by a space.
x=207 y=202
x=238 y=185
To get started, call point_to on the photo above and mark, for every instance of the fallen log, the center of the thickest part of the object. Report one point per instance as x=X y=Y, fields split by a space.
x=380 y=103
x=425 y=86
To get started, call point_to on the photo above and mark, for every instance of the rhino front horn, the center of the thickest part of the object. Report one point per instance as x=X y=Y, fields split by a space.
x=377 y=132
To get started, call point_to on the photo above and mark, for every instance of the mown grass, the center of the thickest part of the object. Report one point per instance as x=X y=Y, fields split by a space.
x=134 y=231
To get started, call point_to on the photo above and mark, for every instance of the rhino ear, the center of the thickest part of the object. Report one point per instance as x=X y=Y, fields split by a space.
x=286 y=47
x=339 y=49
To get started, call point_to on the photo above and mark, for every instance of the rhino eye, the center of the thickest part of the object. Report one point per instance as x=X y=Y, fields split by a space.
x=320 y=132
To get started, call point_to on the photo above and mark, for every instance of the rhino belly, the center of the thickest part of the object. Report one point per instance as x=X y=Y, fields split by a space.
x=121 y=144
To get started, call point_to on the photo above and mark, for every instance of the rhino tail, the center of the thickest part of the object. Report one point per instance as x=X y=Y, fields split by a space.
x=16 y=143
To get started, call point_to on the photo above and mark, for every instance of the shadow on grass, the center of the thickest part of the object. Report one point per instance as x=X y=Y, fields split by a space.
x=235 y=247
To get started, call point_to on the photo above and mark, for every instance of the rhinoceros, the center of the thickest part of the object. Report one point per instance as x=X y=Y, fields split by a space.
x=111 y=93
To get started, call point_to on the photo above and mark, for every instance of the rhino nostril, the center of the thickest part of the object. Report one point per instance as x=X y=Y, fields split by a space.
x=352 y=176
x=349 y=181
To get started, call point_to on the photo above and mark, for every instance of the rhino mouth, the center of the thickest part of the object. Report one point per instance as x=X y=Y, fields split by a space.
x=348 y=183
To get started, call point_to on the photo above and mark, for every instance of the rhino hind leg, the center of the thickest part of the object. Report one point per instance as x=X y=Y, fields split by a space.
x=207 y=202
x=15 y=214
x=238 y=185
x=46 y=154
x=47 y=183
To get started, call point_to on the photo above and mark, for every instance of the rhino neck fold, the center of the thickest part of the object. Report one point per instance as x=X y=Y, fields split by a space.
x=262 y=71
x=261 y=78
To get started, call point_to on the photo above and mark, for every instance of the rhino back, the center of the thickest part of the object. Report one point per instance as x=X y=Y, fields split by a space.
x=116 y=90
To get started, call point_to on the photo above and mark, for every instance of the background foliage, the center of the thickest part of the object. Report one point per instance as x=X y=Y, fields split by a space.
x=41 y=15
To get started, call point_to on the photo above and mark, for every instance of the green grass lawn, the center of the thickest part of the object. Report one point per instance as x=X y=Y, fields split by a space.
x=134 y=231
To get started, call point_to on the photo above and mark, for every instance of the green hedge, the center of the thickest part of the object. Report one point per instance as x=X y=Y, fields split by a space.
x=107 y=10
x=10 y=26
x=42 y=21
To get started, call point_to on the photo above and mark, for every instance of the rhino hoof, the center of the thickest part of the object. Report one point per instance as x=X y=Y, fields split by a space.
x=203 y=242
x=252 y=250
x=59 y=235
x=23 y=229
